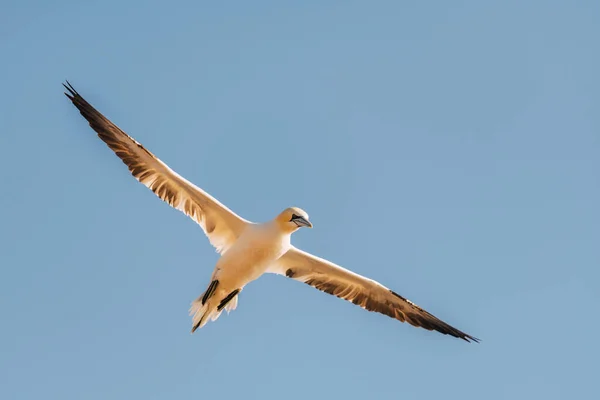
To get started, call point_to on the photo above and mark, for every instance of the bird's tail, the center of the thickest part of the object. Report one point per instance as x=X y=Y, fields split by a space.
x=202 y=313
x=210 y=305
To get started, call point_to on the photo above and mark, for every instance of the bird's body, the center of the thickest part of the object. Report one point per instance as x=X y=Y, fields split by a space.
x=251 y=254
x=249 y=257
x=248 y=250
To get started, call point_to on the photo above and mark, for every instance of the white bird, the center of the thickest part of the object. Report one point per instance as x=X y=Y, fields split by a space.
x=248 y=250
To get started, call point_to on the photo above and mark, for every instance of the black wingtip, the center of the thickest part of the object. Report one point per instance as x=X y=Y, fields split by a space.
x=470 y=339
x=72 y=92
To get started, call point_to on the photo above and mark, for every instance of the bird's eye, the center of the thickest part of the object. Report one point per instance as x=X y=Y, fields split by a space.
x=294 y=216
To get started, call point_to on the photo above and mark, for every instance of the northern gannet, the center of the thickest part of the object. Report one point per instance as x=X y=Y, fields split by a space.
x=249 y=249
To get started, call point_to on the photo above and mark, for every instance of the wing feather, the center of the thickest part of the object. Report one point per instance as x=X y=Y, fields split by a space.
x=364 y=292
x=221 y=225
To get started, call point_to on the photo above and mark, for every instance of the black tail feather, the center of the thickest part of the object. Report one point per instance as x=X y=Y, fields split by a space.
x=198 y=324
x=209 y=292
x=227 y=299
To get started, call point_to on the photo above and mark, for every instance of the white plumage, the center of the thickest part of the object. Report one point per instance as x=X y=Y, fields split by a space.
x=247 y=249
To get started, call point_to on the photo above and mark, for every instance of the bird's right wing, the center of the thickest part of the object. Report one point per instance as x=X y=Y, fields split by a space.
x=221 y=225
x=364 y=292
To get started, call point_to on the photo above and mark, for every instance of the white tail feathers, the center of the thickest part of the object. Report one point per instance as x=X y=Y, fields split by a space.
x=201 y=314
x=232 y=305
x=209 y=311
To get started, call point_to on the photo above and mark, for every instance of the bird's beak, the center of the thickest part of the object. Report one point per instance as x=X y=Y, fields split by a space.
x=301 y=221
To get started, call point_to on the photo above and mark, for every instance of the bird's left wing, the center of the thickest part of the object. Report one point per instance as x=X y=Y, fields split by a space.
x=220 y=224
x=366 y=293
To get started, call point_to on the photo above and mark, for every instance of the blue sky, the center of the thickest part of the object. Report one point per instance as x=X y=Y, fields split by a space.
x=447 y=149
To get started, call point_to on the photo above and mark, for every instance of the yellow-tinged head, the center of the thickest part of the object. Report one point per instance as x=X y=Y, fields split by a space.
x=292 y=219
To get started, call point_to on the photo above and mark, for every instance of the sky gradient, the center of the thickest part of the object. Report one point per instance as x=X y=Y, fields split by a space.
x=449 y=150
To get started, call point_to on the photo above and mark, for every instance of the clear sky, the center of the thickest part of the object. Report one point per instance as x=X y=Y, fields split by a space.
x=449 y=150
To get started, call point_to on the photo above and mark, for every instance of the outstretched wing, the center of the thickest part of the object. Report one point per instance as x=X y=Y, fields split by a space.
x=366 y=293
x=221 y=225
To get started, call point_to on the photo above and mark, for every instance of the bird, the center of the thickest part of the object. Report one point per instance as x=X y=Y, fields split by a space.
x=247 y=249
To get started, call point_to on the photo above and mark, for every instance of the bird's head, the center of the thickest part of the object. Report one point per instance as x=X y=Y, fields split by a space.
x=293 y=218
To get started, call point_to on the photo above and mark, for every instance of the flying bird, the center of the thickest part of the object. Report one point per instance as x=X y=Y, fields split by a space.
x=247 y=249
